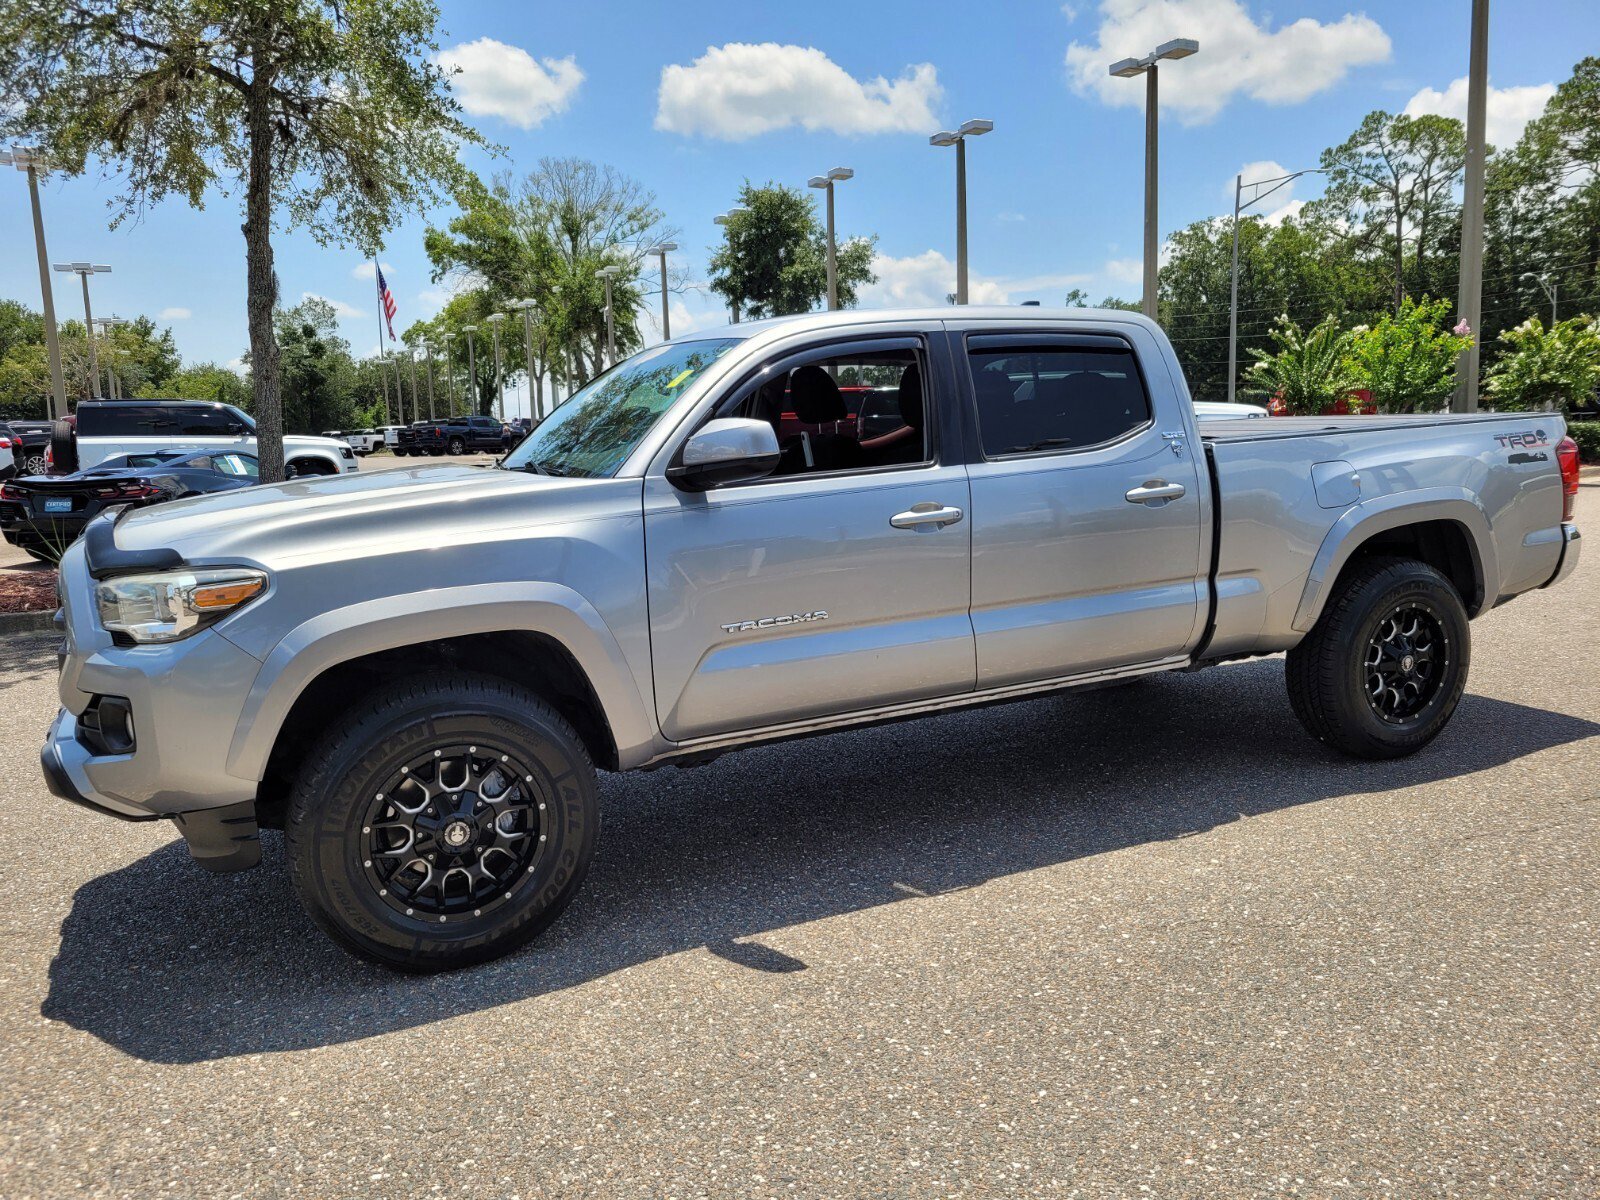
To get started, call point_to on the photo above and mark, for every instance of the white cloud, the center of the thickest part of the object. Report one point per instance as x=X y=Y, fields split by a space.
x=237 y=365
x=364 y=271
x=1509 y=109
x=1010 y=218
x=737 y=91
x=923 y=280
x=1238 y=55
x=340 y=308
x=497 y=80
x=176 y=313
x=1124 y=270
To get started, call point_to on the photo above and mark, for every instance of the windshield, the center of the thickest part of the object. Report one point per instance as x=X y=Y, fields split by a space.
x=592 y=434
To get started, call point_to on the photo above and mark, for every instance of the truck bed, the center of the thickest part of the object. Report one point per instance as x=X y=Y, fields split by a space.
x=1276 y=428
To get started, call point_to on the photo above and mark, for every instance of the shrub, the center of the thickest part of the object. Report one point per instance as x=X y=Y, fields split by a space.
x=1309 y=371
x=1587 y=435
x=1408 y=359
x=1539 y=369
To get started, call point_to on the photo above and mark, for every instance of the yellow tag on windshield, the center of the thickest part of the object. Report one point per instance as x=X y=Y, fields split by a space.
x=681 y=376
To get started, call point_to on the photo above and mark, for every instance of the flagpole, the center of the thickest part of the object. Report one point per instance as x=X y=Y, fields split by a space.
x=377 y=275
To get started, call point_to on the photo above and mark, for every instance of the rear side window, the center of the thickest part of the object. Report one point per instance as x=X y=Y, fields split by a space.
x=154 y=420
x=1041 y=398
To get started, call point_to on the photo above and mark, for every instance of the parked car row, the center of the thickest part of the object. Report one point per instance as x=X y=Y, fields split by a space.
x=362 y=441
x=458 y=435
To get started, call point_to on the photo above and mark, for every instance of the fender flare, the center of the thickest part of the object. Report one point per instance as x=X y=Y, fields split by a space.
x=326 y=456
x=343 y=634
x=1361 y=522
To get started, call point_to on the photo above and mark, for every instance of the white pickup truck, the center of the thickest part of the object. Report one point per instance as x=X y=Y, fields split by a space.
x=106 y=428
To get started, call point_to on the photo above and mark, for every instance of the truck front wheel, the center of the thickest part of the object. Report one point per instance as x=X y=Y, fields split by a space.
x=1381 y=672
x=443 y=822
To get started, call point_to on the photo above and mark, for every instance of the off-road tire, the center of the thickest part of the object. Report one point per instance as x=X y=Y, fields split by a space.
x=63 y=448
x=1328 y=676
x=333 y=793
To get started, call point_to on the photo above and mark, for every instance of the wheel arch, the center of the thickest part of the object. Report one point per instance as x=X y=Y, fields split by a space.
x=1450 y=532
x=541 y=636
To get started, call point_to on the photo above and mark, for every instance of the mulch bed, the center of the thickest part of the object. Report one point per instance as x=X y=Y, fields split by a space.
x=27 y=589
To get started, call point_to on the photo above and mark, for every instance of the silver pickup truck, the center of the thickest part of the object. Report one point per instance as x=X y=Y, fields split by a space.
x=415 y=674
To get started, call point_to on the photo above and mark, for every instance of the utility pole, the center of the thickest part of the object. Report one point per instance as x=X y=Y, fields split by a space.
x=666 y=317
x=1469 y=305
x=472 y=371
x=427 y=348
x=494 y=320
x=83 y=270
x=30 y=161
x=958 y=139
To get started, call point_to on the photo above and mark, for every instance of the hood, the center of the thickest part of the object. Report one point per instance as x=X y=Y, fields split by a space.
x=351 y=515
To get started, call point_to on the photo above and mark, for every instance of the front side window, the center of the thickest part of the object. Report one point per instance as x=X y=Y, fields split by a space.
x=591 y=435
x=1055 y=398
x=851 y=409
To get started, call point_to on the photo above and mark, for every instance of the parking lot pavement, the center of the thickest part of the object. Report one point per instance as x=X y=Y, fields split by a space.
x=1145 y=941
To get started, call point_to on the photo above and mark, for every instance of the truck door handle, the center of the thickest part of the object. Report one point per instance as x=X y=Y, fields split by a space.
x=1155 y=492
x=920 y=516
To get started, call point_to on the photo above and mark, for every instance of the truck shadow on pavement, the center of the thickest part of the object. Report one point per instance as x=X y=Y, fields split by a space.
x=172 y=965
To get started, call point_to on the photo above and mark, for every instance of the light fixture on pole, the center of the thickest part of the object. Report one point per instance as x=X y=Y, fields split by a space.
x=1277 y=181
x=31 y=162
x=1547 y=284
x=83 y=270
x=605 y=274
x=472 y=370
x=1469 y=296
x=826 y=182
x=1130 y=68
x=108 y=327
x=494 y=320
x=958 y=138
x=661 y=251
x=726 y=220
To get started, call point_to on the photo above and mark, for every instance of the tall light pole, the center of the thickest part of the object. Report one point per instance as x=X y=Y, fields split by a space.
x=1277 y=181
x=605 y=274
x=383 y=380
x=416 y=399
x=1469 y=305
x=427 y=348
x=1547 y=284
x=83 y=270
x=527 y=306
x=30 y=161
x=494 y=320
x=661 y=252
x=108 y=326
x=472 y=370
x=1129 y=68
x=958 y=139
x=726 y=220
x=826 y=182
x=450 y=372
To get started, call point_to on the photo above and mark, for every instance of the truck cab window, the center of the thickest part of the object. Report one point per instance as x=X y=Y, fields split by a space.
x=851 y=410
x=1061 y=398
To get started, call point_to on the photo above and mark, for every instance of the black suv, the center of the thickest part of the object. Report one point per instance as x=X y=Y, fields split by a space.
x=452 y=435
x=34 y=437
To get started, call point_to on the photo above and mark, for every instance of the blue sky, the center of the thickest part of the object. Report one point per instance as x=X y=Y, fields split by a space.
x=692 y=98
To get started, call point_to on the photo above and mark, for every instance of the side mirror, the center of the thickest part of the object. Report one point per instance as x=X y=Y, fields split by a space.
x=729 y=450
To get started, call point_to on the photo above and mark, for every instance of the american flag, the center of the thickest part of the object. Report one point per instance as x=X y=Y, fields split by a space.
x=386 y=301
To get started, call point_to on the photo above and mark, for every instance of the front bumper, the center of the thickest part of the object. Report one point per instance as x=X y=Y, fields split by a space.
x=1571 y=544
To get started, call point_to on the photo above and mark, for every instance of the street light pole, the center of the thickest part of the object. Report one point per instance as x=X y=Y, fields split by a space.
x=726 y=221
x=605 y=274
x=494 y=320
x=1239 y=205
x=1129 y=68
x=666 y=318
x=1549 y=286
x=427 y=349
x=826 y=182
x=383 y=380
x=472 y=370
x=1470 y=302
x=535 y=383
x=958 y=138
x=83 y=270
x=30 y=161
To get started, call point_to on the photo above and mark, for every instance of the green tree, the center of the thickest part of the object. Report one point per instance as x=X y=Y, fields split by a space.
x=331 y=116
x=202 y=381
x=774 y=259
x=1546 y=368
x=1309 y=372
x=1392 y=181
x=1408 y=359
x=318 y=374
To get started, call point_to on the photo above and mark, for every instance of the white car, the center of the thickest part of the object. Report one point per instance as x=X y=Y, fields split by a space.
x=107 y=428
x=362 y=441
x=1223 y=410
x=8 y=458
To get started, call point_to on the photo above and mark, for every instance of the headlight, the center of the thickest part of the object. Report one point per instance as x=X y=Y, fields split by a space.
x=169 y=605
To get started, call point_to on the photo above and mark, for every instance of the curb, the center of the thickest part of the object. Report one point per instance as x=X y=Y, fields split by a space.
x=28 y=622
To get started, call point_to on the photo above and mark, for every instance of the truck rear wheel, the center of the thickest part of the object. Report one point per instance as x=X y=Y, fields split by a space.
x=1381 y=672
x=63 y=448
x=458 y=445
x=444 y=822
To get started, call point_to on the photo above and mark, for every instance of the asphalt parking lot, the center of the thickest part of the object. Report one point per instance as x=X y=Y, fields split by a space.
x=1150 y=941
